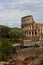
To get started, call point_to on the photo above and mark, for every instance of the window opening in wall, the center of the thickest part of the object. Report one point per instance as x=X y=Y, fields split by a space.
x=32 y=33
x=35 y=33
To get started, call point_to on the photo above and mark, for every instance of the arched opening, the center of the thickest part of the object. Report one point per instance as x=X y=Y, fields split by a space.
x=32 y=33
x=35 y=33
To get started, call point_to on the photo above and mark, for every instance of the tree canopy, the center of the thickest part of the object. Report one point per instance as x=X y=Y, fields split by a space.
x=4 y=32
x=16 y=34
x=5 y=49
x=12 y=33
x=8 y=36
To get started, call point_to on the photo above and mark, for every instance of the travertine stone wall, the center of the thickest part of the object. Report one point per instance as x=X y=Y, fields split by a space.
x=28 y=26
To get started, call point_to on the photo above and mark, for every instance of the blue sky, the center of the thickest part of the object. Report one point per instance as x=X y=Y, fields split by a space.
x=11 y=11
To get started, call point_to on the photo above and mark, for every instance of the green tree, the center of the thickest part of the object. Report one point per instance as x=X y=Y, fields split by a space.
x=6 y=49
x=16 y=34
x=4 y=32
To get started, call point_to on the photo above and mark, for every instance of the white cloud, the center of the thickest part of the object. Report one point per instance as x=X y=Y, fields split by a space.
x=30 y=1
x=11 y=17
x=11 y=13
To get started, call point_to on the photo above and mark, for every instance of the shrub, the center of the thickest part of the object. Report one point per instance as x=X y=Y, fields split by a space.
x=5 y=49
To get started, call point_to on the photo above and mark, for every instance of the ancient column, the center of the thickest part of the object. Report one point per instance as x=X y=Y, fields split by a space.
x=34 y=33
x=31 y=27
x=31 y=33
x=26 y=34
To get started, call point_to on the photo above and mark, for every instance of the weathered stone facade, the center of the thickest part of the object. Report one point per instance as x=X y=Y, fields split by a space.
x=30 y=27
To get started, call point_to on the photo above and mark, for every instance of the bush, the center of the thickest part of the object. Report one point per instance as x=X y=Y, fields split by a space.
x=5 y=49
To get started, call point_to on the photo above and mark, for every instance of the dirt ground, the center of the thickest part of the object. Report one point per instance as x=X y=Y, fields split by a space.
x=28 y=56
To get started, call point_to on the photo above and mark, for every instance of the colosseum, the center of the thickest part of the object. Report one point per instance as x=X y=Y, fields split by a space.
x=30 y=27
